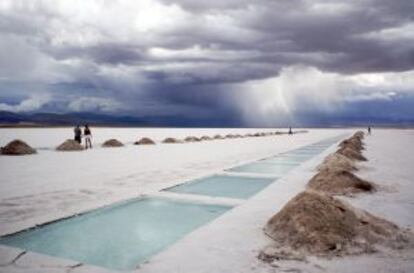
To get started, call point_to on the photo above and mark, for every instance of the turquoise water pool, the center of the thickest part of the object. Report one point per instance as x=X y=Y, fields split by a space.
x=118 y=237
x=224 y=186
x=265 y=167
x=282 y=163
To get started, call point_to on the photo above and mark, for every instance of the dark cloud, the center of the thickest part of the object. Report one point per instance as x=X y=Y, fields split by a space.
x=188 y=56
x=106 y=53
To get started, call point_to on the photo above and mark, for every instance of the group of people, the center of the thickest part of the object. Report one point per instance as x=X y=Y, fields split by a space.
x=87 y=134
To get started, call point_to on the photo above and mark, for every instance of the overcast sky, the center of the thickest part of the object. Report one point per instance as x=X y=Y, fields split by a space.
x=257 y=63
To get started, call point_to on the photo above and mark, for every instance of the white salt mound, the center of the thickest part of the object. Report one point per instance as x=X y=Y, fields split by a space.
x=351 y=153
x=17 y=147
x=192 y=139
x=145 y=141
x=112 y=143
x=70 y=145
x=339 y=182
x=317 y=224
x=337 y=161
x=171 y=140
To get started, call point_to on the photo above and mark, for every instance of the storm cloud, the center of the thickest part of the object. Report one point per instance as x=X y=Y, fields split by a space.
x=259 y=63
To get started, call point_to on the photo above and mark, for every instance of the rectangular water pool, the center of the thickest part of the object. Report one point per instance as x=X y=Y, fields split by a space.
x=118 y=237
x=298 y=155
x=264 y=167
x=310 y=150
x=281 y=164
x=224 y=186
x=280 y=160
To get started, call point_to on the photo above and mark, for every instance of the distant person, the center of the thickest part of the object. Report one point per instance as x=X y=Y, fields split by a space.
x=369 y=130
x=78 y=134
x=88 y=137
x=290 y=131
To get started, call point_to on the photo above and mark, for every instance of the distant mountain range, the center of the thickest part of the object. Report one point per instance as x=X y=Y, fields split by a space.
x=11 y=119
x=70 y=119
x=54 y=119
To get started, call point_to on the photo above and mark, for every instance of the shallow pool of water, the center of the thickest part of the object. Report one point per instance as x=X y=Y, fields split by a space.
x=265 y=167
x=282 y=163
x=118 y=237
x=224 y=186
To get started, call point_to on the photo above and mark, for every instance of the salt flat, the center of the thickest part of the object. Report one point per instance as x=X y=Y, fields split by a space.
x=51 y=185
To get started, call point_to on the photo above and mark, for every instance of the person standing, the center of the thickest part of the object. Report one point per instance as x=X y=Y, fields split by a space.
x=290 y=131
x=88 y=137
x=369 y=130
x=78 y=134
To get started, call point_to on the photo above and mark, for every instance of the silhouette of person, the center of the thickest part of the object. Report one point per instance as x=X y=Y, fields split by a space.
x=369 y=130
x=88 y=137
x=78 y=134
x=290 y=131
